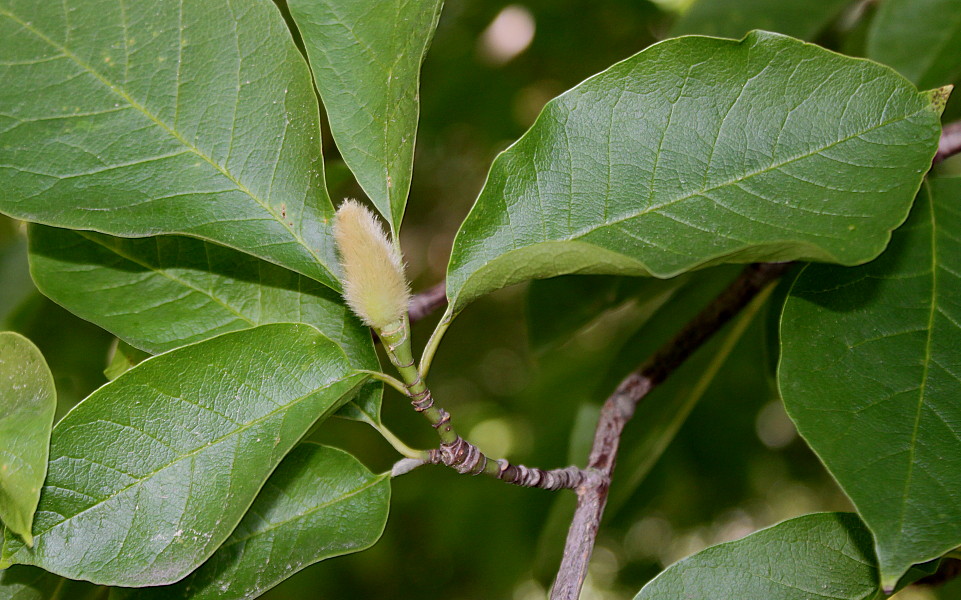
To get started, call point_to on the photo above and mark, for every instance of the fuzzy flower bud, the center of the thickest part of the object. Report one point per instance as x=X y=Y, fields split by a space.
x=375 y=287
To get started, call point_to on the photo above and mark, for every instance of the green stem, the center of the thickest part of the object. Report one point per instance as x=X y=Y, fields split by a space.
x=434 y=342
x=396 y=339
x=396 y=442
x=384 y=377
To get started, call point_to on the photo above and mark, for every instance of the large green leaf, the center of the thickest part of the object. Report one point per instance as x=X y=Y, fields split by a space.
x=164 y=292
x=919 y=38
x=826 y=556
x=151 y=473
x=871 y=374
x=31 y=583
x=699 y=151
x=320 y=503
x=366 y=61
x=172 y=116
x=734 y=18
x=28 y=401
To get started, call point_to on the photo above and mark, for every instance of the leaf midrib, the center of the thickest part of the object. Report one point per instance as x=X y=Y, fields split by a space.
x=197 y=451
x=927 y=363
x=170 y=130
x=738 y=179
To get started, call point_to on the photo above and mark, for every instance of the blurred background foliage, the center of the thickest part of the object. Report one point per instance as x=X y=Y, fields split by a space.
x=524 y=371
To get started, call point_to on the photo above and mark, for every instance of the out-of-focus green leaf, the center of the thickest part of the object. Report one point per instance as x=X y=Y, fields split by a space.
x=320 y=503
x=733 y=18
x=699 y=151
x=557 y=308
x=366 y=61
x=144 y=118
x=919 y=38
x=28 y=401
x=31 y=583
x=826 y=556
x=152 y=472
x=164 y=292
x=870 y=374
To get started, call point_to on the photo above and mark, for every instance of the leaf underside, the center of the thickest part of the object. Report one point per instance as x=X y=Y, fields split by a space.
x=871 y=374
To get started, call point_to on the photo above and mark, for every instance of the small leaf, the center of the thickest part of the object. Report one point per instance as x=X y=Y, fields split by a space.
x=870 y=374
x=152 y=472
x=699 y=151
x=165 y=292
x=826 y=556
x=733 y=18
x=142 y=118
x=366 y=62
x=919 y=38
x=320 y=503
x=28 y=401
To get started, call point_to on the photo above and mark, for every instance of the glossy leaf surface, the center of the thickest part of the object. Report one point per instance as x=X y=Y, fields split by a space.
x=164 y=292
x=870 y=373
x=320 y=503
x=919 y=38
x=698 y=151
x=366 y=61
x=152 y=472
x=142 y=118
x=734 y=18
x=826 y=556
x=28 y=401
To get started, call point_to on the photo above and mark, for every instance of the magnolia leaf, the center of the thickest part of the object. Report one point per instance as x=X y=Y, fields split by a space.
x=699 y=151
x=28 y=401
x=320 y=503
x=366 y=61
x=870 y=373
x=826 y=556
x=151 y=473
x=143 y=118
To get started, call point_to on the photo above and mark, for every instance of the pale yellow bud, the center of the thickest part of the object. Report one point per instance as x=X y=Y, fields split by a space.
x=375 y=287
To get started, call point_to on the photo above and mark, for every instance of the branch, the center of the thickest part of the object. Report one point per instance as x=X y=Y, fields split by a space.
x=428 y=301
x=950 y=143
x=620 y=407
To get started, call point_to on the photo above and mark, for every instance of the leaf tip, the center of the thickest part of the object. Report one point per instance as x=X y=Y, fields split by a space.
x=938 y=98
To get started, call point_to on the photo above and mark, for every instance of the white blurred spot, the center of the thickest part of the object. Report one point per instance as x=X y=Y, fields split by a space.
x=774 y=428
x=509 y=34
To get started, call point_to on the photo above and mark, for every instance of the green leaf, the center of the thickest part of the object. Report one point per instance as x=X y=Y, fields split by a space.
x=320 y=503
x=919 y=38
x=733 y=18
x=558 y=308
x=142 y=118
x=31 y=583
x=151 y=473
x=870 y=374
x=826 y=556
x=699 y=151
x=165 y=292
x=366 y=62
x=28 y=401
